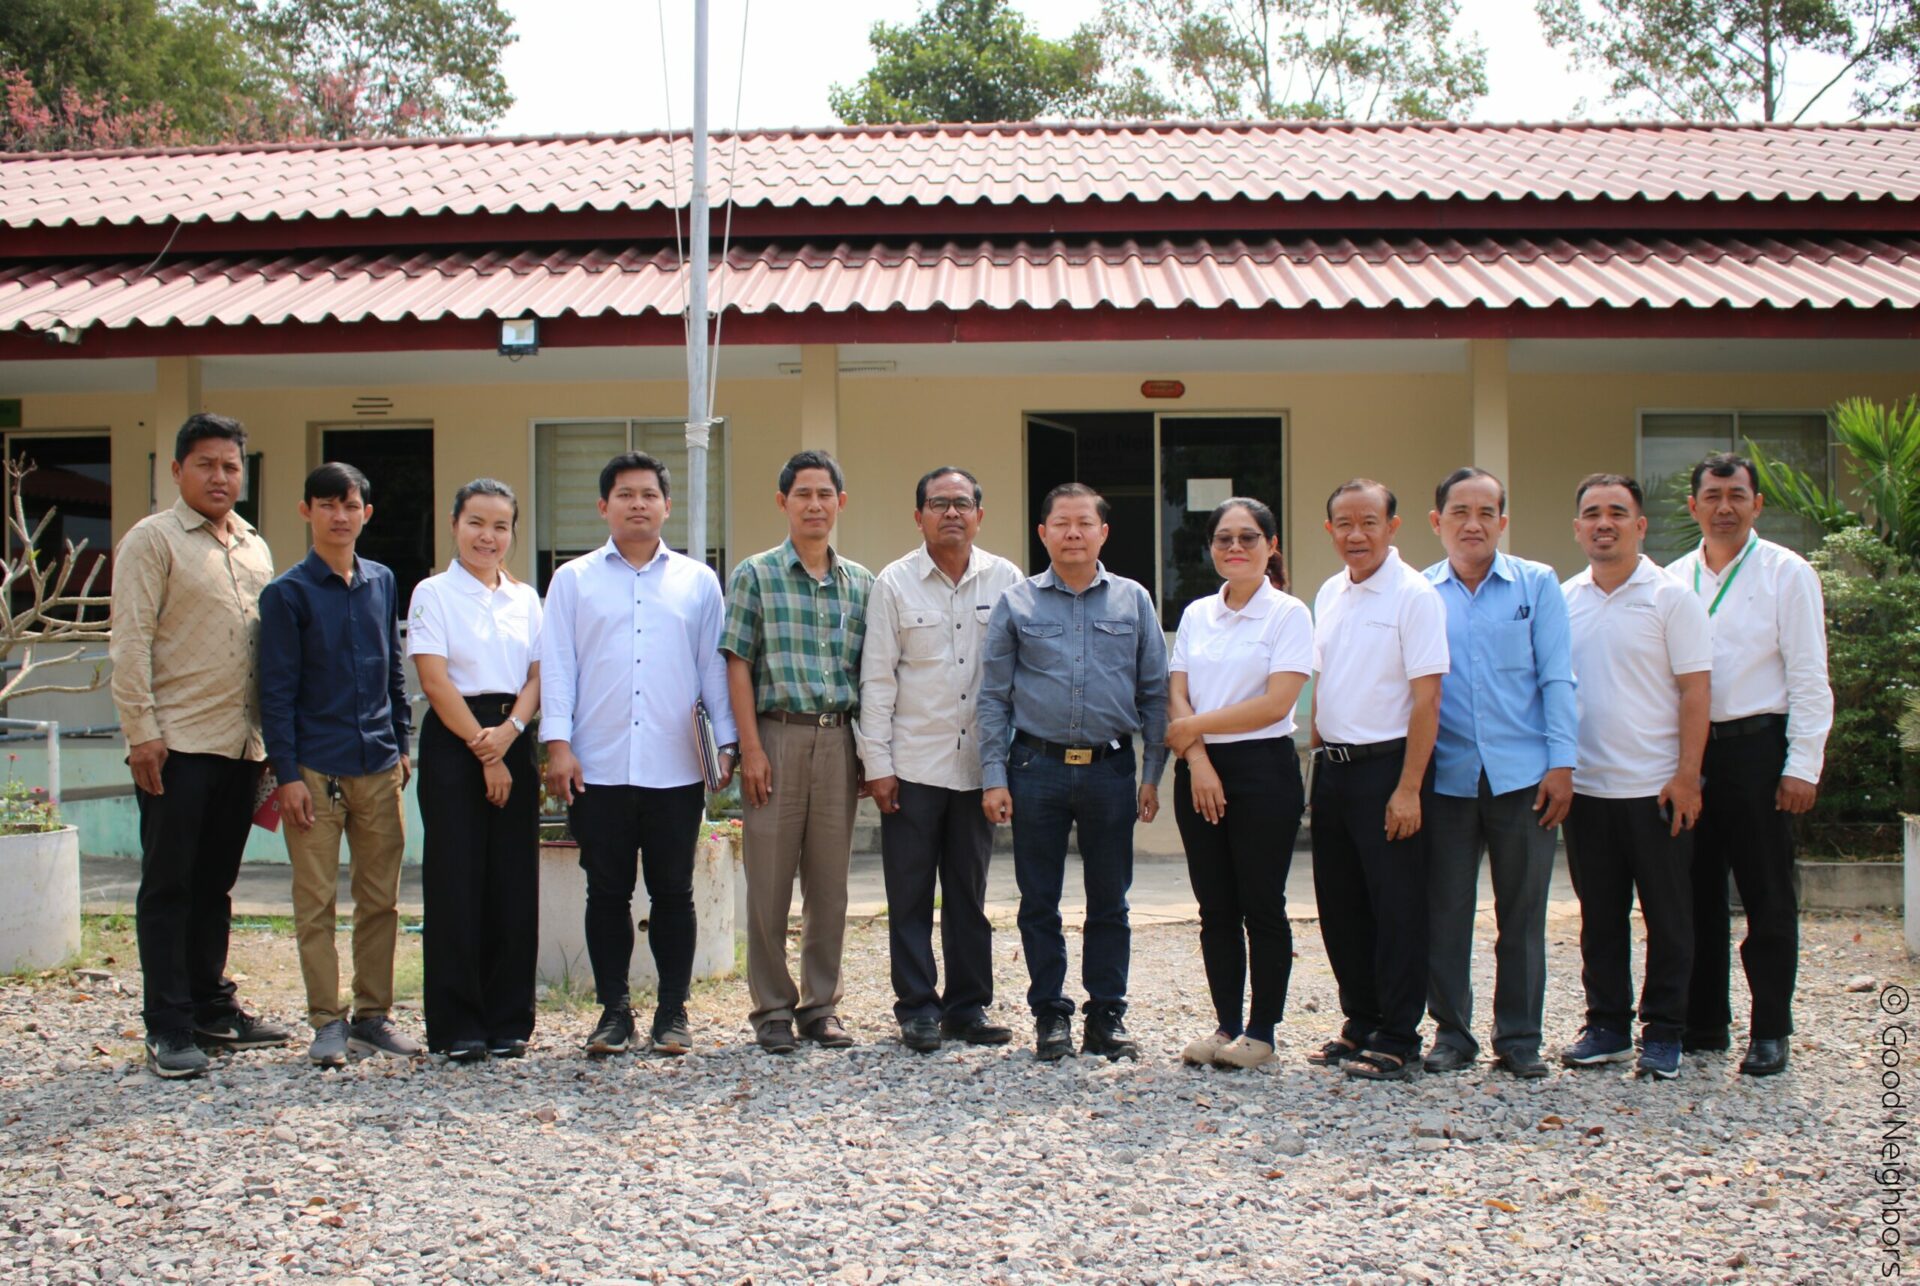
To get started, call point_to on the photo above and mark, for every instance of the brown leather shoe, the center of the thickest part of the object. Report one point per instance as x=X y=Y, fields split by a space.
x=826 y=1032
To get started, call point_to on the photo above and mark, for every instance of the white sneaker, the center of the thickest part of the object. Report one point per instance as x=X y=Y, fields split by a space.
x=1201 y=1053
x=1244 y=1053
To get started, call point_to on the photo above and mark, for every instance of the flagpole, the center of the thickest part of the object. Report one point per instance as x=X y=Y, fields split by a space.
x=699 y=421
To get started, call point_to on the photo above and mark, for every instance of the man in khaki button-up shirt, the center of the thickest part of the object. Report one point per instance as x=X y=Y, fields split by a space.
x=186 y=630
x=919 y=684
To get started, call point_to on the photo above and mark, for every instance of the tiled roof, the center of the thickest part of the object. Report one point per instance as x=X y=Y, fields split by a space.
x=967 y=165
x=1412 y=274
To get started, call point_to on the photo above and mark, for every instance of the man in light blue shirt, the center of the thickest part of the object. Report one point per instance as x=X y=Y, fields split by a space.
x=1503 y=773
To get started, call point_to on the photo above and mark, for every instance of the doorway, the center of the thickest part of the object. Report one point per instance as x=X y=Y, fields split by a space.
x=1162 y=474
x=399 y=467
x=71 y=475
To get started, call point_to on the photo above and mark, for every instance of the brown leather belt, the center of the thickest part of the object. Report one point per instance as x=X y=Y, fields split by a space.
x=824 y=719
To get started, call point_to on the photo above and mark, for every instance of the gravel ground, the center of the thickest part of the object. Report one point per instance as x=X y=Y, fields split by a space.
x=972 y=1165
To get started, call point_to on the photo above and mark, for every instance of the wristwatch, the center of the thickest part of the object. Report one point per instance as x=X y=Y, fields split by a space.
x=518 y=726
x=731 y=750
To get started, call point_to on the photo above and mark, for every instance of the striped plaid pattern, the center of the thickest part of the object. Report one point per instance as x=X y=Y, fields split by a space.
x=802 y=636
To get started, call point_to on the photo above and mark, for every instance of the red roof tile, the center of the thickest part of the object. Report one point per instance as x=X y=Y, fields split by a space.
x=1414 y=274
x=965 y=165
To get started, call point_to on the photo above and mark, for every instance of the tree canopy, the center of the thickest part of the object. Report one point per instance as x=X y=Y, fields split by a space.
x=1729 y=59
x=968 y=60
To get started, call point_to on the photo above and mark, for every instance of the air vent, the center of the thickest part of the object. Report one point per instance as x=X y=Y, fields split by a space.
x=368 y=406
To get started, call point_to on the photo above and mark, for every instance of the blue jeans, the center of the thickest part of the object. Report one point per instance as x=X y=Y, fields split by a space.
x=1049 y=799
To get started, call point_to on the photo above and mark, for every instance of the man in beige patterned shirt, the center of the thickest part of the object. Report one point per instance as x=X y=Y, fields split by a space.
x=186 y=631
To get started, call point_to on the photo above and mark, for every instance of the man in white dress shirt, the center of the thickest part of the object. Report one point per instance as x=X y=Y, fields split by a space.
x=1642 y=659
x=1772 y=709
x=919 y=739
x=634 y=617
x=1379 y=653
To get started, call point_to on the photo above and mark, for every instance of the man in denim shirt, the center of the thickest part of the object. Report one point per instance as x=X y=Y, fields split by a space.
x=1075 y=665
x=1503 y=774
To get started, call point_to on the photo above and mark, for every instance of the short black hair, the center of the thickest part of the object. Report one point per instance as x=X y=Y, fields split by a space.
x=1593 y=480
x=335 y=481
x=1363 y=484
x=920 y=488
x=811 y=460
x=1724 y=464
x=198 y=428
x=1066 y=489
x=1465 y=473
x=486 y=487
x=630 y=462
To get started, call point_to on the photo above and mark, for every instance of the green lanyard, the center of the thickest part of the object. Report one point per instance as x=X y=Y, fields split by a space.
x=1753 y=538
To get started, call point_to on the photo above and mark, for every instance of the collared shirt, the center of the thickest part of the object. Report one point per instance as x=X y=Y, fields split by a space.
x=802 y=636
x=920 y=668
x=1078 y=669
x=186 y=633
x=1507 y=703
x=1227 y=655
x=1370 y=641
x=624 y=654
x=333 y=691
x=489 y=637
x=1770 y=647
x=1629 y=647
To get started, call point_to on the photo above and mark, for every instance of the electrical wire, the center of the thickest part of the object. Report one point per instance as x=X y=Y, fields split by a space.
x=726 y=237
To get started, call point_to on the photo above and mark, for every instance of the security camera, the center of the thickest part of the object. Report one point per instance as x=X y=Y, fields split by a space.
x=61 y=333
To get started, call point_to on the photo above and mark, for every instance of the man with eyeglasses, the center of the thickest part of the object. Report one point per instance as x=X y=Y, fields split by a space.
x=919 y=739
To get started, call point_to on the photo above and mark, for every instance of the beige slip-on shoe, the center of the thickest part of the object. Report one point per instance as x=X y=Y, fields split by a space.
x=1202 y=1052
x=1244 y=1053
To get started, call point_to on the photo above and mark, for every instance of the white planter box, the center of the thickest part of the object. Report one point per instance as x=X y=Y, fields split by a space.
x=563 y=907
x=1913 y=884
x=39 y=899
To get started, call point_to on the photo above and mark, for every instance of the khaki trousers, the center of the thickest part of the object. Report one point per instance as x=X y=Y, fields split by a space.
x=368 y=811
x=805 y=828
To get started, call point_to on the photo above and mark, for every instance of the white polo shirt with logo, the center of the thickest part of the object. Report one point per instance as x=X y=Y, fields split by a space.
x=1370 y=640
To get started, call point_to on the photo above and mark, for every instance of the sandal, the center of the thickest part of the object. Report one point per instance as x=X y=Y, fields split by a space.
x=1336 y=1051
x=1372 y=1065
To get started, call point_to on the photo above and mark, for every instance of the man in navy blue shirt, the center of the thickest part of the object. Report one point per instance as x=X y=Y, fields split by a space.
x=1503 y=774
x=333 y=710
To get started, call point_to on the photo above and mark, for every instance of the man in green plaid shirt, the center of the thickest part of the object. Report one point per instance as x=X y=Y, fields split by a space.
x=796 y=618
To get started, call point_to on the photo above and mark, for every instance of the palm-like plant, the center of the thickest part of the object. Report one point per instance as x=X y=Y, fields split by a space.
x=1882 y=445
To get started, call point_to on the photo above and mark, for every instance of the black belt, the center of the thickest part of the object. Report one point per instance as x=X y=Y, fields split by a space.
x=491 y=703
x=1747 y=727
x=1354 y=754
x=1073 y=754
x=825 y=719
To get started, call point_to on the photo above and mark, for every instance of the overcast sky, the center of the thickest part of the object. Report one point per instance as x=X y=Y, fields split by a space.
x=595 y=65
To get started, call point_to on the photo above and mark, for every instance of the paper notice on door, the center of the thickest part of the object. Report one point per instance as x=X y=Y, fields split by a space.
x=1204 y=493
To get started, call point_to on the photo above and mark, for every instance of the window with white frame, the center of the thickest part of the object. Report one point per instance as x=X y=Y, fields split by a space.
x=1672 y=442
x=567 y=458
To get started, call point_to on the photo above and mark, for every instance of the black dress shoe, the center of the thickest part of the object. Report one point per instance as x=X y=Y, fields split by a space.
x=507 y=1047
x=1526 y=1064
x=921 y=1035
x=467 y=1051
x=1052 y=1037
x=1448 y=1058
x=1705 y=1042
x=1107 y=1036
x=1764 y=1058
x=976 y=1031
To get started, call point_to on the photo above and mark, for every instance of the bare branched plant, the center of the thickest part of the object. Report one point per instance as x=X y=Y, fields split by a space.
x=56 y=615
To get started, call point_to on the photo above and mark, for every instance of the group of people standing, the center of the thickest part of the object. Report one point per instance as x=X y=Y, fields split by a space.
x=1668 y=721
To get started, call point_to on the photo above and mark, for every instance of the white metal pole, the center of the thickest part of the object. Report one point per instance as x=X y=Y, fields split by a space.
x=53 y=763
x=699 y=422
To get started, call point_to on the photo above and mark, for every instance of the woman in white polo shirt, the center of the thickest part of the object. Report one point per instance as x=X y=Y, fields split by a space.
x=1239 y=661
x=473 y=635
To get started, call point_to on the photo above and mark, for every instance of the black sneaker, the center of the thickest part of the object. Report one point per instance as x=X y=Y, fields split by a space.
x=172 y=1056
x=507 y=1047
x=671 y=1033
x=615 y=1032
x=467 y=1051
x=1052 y=1037
x=1106 y=1035
x=240 y=1030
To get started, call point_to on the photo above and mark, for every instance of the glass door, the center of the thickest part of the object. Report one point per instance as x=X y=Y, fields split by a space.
x=1203 y=459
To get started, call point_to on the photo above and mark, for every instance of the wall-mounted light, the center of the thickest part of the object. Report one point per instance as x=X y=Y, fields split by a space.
x=519 y=336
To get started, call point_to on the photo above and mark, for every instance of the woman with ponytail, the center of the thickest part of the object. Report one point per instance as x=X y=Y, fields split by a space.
x=1239 y=661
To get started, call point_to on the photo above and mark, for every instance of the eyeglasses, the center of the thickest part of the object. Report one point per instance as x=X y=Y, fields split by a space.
x=1245 y=539
x=949 y=504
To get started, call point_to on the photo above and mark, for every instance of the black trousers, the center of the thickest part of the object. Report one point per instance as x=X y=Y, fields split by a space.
x=1373 y=902
x=1239 y=872
x=481 y=884
x=624 y=831
x=1615 y=846
x=1741 y=830
x=191 y=838
x=938 y=834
